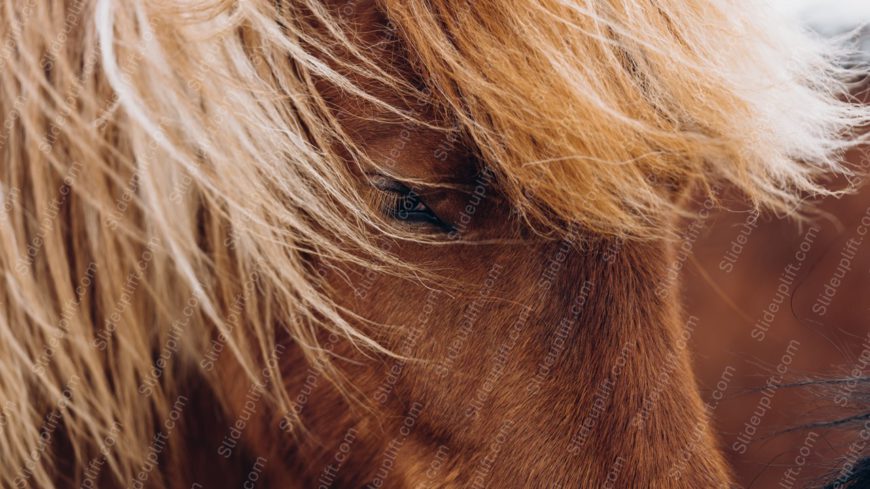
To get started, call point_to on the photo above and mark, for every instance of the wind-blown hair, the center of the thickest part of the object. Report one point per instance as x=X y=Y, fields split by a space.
x=167 y=169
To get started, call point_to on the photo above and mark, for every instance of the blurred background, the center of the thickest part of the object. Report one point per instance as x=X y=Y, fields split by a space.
x=827 y=14
x=774 y=296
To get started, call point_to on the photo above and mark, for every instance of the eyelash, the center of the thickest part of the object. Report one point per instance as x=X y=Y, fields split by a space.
x=404 y=204
x=408 y=207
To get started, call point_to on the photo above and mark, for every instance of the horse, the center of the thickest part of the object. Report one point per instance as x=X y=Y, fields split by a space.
x=381 y=243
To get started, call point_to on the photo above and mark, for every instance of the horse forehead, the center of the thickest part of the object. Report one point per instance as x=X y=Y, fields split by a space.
x=408 y=149
x=420 y=153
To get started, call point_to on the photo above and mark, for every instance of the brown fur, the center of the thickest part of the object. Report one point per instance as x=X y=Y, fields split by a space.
x=620 y=316
x=226 y=162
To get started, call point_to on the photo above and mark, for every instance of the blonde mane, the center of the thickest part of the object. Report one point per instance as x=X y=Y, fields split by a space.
x=167 y=167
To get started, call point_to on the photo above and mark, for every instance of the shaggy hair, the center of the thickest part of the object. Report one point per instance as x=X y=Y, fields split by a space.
x=167 y=168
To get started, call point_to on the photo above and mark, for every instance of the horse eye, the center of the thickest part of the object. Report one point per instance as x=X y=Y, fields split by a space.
x=406 y=205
